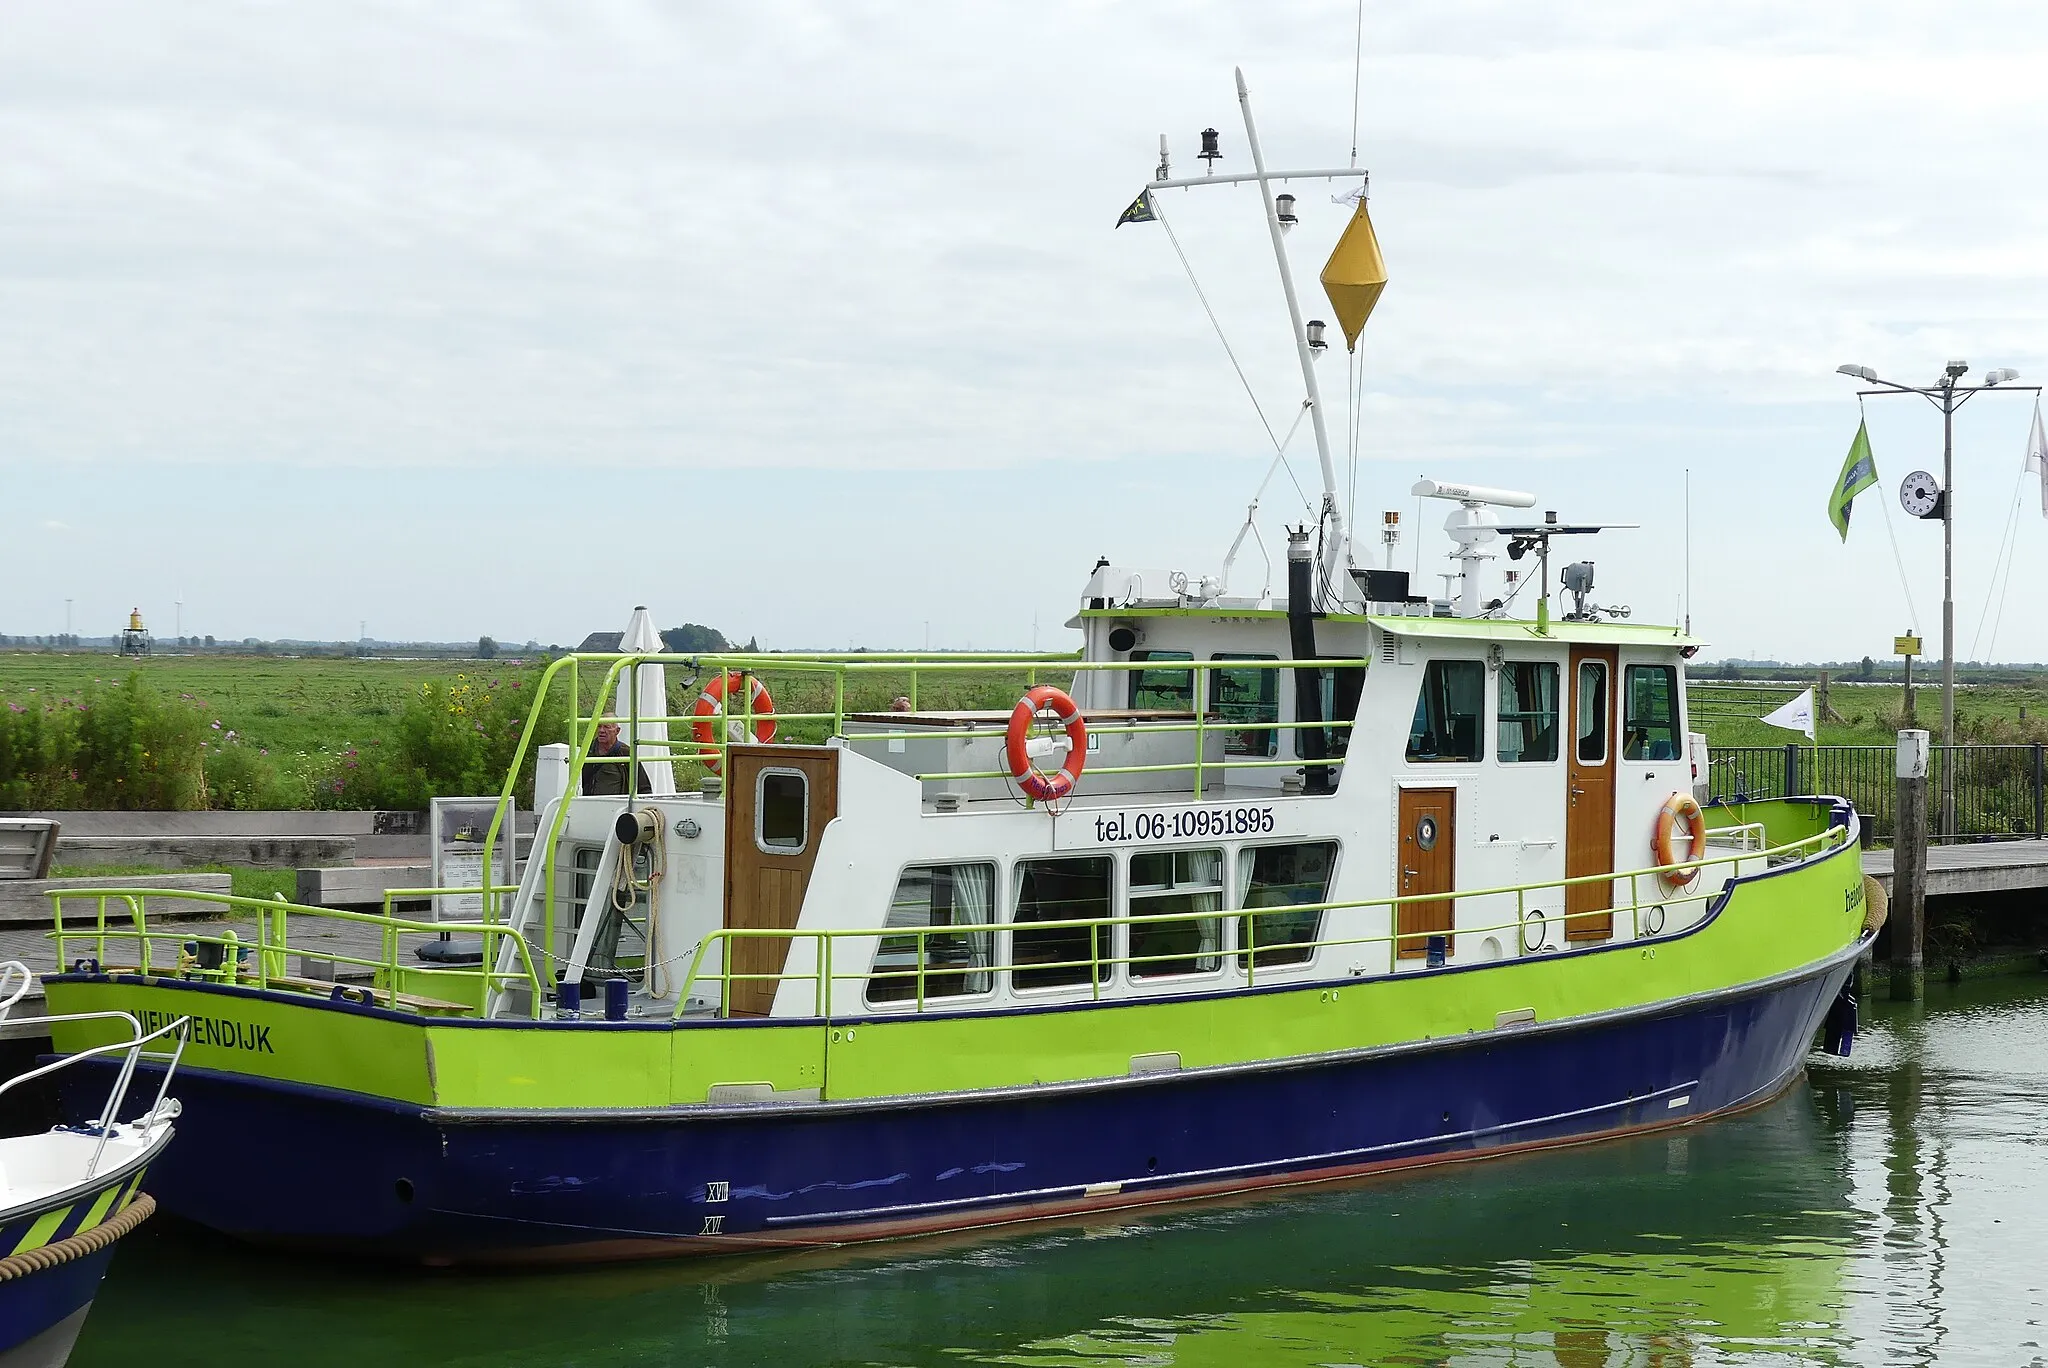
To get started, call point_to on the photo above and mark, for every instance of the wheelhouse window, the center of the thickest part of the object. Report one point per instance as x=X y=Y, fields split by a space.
x=1650 y=721
x=1167 y=882
x=1447 y=726
x=1162 y=690
x=1527 y=712
x=782 y=811
x=955 y=962
x=1248 y=699
x=1061 y=890
x=1293 y=881
x=1590 y=710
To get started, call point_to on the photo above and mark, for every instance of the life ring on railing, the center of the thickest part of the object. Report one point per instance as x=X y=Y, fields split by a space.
x=1021 y=748
x=712 y=702
x=1680 y=807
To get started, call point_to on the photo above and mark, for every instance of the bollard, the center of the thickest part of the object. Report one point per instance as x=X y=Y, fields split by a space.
x=568 y=999
x=1439 y=946
x=615 y=999
x=1909 y=870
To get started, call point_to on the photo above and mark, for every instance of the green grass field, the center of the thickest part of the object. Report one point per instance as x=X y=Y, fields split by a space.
x=1871 y=715
x=282 y=705
x=308 y=728
x=305 y=715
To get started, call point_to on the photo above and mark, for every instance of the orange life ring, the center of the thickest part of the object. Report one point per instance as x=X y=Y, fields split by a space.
x=711 y=703
x=1038 y=783
x=1680 y=807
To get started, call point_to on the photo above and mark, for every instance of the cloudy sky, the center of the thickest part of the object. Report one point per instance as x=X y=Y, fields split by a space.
x=808 y=320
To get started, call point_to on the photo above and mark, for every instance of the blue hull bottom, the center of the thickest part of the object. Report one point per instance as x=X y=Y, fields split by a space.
x=342 y=1172
x=41 y=1313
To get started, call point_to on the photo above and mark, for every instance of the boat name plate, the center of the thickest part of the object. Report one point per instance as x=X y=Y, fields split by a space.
x=1140 y=826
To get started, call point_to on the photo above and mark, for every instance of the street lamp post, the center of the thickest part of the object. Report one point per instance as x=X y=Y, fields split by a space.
x=1947 y=395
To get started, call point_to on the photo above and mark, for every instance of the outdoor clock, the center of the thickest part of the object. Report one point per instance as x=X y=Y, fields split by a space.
x=1919 y=495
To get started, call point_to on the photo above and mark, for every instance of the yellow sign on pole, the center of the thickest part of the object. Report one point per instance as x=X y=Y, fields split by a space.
x=1906 y=645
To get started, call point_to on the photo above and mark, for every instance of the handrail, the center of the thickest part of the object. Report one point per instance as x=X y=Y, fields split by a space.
x=838 y=667
x=105 y=1122
x=1248 y=955
x=270 y=951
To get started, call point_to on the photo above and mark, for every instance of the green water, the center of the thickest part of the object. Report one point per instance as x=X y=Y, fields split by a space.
x=1892 y=1209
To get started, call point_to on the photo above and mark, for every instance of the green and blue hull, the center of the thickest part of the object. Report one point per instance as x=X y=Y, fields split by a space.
x=51 y=1265
x=345 y=1127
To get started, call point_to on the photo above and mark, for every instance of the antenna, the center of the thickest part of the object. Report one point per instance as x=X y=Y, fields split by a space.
x=1688 y=550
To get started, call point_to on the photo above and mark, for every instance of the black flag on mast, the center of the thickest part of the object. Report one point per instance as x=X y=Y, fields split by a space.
x=1140 y=210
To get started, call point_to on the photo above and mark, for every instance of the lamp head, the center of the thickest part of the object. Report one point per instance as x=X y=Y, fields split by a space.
x=1956 y=370
x=2001 y=375
x=1857 y=372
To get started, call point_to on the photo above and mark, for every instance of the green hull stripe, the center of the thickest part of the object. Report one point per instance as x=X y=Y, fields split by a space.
x=39 y=1234
x=97 y=1212
x=1771 y=924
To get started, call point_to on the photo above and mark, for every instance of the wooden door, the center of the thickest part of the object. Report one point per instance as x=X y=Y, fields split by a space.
x=1428 y=826
x=1589 y=795
x=778 y=800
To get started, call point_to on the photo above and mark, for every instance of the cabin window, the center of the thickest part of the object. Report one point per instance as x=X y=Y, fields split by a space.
x=1447 y=712
x=1294 y=880
x=1338 y=690
x=1650 y=721
x=1591 y=711
x=1167 y=882
x=1064 y=890
x=1527 y=712
x=1248 y=699
x=956 y=962
x=782 y=811
x=1163 y=690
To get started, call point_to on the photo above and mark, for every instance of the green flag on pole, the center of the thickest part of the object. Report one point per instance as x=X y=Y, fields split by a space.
x=1859 y=472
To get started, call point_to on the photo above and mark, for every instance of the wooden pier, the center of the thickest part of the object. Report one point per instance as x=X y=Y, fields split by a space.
x=1975 y=867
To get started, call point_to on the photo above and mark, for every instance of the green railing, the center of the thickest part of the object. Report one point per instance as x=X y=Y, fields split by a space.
x=824 y=974
x=839 y=671
x=263 y=961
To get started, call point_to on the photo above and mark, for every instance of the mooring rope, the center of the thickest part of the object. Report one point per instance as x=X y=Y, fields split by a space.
x=79 y=1245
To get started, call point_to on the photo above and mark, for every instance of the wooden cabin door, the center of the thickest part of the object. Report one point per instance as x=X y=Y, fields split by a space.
x=1428 y=824
x=778 y=800
x=1589 y=795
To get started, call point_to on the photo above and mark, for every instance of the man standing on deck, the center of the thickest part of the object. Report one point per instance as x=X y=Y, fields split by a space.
x=602 y=780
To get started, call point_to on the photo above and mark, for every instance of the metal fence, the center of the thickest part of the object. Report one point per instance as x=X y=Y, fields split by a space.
x=1998 y=790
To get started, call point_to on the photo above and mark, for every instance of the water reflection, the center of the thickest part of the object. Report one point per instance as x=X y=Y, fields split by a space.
x=1890 y=1210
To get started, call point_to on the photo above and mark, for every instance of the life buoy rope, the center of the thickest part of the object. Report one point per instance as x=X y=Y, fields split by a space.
x=1045 y=786
x=713 y=702
x=1680 y=807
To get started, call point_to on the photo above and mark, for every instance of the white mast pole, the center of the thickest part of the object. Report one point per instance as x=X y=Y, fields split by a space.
x=1337 y=549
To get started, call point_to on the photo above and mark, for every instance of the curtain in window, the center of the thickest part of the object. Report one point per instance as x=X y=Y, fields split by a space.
x=973 y=905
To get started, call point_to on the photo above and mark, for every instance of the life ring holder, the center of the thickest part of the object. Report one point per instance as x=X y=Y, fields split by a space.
x=1042 y=785
x=711 y=703
x=1680 y=807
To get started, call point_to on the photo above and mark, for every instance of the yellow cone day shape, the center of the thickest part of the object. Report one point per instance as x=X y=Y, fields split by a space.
x=1354 y=275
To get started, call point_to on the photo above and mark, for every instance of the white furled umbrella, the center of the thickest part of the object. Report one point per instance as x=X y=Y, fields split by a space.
x=651 y=684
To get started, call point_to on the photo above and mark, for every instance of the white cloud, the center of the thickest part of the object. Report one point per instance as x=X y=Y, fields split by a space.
x=547 y=244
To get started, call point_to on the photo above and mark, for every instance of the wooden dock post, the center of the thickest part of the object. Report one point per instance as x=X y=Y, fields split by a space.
x=1909 y=870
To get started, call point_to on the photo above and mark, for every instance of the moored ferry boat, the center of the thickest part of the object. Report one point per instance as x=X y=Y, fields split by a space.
x=1254 y=890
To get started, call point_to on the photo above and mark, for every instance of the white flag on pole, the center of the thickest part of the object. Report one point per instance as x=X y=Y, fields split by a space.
x=1795 y=716
x=2037 y=456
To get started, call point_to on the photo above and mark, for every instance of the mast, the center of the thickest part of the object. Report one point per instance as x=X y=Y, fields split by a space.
x=1337 y=547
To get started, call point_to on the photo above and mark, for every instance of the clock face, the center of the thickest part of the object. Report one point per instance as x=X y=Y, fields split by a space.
x=1918 y=494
